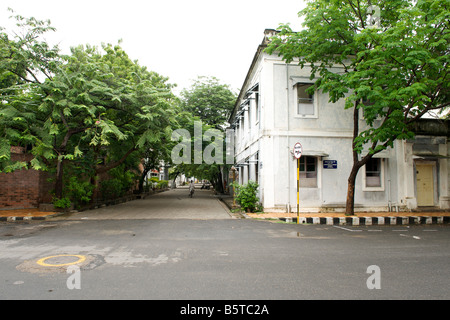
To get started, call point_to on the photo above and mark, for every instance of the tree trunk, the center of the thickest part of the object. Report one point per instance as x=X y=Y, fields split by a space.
x=59 y=179
x=60 y=161
x=60 y=164
x=174 y=180
x=102 y=169
x=105 y=168
x=219 y=186
x=142 y=178
x=96 y=191
x=350 y=205
x=95 y=179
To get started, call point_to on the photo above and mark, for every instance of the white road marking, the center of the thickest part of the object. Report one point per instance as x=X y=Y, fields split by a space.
x=414 y=237
x=356 y=230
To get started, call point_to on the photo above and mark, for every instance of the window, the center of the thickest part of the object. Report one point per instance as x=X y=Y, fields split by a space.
x=308 y=172
x=252 y=101
x=236 y=133
x=247 y=170
x=257 y=168
x=242 y=126
x=249 y=115
x=257 y=108
x=305 y=100
x=373 y=175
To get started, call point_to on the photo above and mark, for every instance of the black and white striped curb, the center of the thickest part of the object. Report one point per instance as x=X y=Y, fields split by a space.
x=29 y=218
x=11 y=219
x=368 y=221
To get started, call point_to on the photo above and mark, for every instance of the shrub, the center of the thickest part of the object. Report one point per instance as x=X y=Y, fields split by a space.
x=80 y=192
x=62 y=203
x=158 y=184
x=122 y=181
x=162 y=184
x=111 y=189
x=154 y=179
x=245 y=196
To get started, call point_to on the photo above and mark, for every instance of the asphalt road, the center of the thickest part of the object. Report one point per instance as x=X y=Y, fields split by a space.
x=217 y=257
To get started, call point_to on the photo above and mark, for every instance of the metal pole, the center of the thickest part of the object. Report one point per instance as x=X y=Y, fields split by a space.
x=298 y=189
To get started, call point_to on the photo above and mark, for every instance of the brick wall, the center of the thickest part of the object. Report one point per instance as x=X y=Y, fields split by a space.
x=23 y=188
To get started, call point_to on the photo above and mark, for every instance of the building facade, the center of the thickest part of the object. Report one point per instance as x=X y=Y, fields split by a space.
x=274 y=112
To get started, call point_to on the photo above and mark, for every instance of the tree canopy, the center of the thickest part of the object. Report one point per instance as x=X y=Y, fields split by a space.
x=209 y=100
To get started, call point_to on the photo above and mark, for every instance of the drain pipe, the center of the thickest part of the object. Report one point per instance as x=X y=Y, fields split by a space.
x=287 y=140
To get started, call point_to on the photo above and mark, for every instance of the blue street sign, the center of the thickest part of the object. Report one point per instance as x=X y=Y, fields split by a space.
x=330 y=164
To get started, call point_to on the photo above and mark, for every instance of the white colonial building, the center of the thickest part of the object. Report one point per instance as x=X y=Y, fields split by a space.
x=273 y=112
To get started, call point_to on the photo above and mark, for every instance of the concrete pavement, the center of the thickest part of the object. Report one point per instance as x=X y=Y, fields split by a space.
x=170 y=204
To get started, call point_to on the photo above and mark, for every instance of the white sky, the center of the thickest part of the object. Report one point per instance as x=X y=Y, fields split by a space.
x=180 y=39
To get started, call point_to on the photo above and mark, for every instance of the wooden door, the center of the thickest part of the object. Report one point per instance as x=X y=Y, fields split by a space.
x=425 y=185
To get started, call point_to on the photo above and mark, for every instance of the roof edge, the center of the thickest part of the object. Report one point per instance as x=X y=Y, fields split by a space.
x=268 y=33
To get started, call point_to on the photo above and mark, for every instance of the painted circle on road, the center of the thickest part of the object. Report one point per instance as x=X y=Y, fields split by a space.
x=80 y=260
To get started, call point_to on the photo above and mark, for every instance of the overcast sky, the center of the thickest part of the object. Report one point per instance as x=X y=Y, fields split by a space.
x=180 y=39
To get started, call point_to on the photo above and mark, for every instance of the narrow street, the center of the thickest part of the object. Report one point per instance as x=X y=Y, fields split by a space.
x=170 y=204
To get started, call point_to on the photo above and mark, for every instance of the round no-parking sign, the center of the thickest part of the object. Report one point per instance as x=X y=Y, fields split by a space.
x=298 y=150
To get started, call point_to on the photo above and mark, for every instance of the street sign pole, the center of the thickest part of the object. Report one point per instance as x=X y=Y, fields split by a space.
x=298 y=190
x=298 y=150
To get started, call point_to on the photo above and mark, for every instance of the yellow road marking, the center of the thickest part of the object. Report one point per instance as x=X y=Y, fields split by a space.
x=80 y=260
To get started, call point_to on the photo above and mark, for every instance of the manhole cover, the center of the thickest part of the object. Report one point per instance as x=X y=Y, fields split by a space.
x=60 y=263
x=61 y=260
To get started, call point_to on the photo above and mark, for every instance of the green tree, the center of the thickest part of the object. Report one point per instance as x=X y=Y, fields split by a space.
x=26 y=60
x=395 y=55
x=153 y=157
x=209 y=100
x=105 y=104
x=196 y=144
x=91 y=104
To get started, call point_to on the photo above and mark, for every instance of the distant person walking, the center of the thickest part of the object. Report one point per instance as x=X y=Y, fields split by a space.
x=191 y=188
